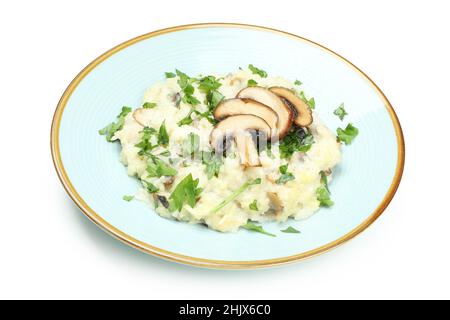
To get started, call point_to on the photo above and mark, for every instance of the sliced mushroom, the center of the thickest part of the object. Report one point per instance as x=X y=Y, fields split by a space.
x=232 y=107
x=142 y=116
x=303 y=116
x=264 y=96
x=239 y=127
x=275 y=203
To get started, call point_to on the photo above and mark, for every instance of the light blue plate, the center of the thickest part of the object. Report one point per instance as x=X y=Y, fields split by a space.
x=90 y=170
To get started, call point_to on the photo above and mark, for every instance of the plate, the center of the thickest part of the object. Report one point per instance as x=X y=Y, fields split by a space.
x=90 y=170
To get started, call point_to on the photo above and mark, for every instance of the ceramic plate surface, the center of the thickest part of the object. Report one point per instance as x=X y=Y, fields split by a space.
x=89 y=168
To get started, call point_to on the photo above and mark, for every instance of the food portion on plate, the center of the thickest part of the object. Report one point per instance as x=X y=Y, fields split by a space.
x=230 y=151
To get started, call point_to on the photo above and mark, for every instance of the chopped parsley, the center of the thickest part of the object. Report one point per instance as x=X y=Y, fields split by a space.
x=151 y=188
x=113 y=127
x=323 y=196
x=163 y=136
x=235 y=194
x=310 y=102
x=212 y=163
x=185 y=83
x=254 y=206
x=128 y=198
x=156 y=168
x=324 y=180
x=209 y=83
x=340 y=112
x=256 y=228
x=170 y=75
x=348 y=134
x=298 y=83
x=251 y=83
x=285 y=176
x=191 y=145
x=149 y=105
x=290 y=230
x=257 y=71
x=186 y=120
x=295 y=141
x=185 y=192
x=145 y=145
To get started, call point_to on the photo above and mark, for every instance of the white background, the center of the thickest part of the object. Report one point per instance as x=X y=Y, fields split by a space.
x=49 y=250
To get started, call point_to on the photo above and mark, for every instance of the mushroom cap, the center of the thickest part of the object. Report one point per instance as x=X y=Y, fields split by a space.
x=303 y=116
x=232 y=107
x=270 y=99
x=142 y=116
x=239 y=127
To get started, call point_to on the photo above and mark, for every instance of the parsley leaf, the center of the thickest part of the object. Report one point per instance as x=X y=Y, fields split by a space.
x=191 y=145
x=209 y=83
x=186 y=120
x=170 y=75
x=213 y=164
x=257 y=71
x=295 y=141
x=151 y=188
x=324 y=197
x=298 y=83
x=185 y=192
x=290 y=230
x=285 y=176
x=340 y=112
x=235 y=194
x=311 y=102
x=251 y=83
x=254 y=206
x=149 y=105
x=163 y=136
x=254 y=227
x=128 y=198
x=348 y=134
x=184 y=81
x=213 y=98
x=324 y=180
x=145 y=145
x=113 y=127
x=156 y=168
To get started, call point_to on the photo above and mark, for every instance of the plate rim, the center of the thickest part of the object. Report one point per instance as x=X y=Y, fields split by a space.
x=211 y=263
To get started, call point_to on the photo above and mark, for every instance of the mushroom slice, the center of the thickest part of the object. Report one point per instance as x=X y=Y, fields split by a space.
x=142 y=116
x=232 y=107
x=270 y=99
x=239 y=127
x=275 y=203
x=304 y=115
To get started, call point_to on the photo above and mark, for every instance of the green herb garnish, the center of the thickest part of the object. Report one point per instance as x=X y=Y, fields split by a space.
x=257 y=71
x=295 y=142
x=310 y=102
x=324 y=197
x=252 y=83
x=145 y=145
x=235 y=194
x=209 y=83
x=156 y=168
x=348 y=134
x=324 y=180
x=212 y=163
x=151 y=188
x=163 y=136
x=340 y=112
x=186 y=120
x=128 y=198
x=290 y=230
x=113 y=127
x=298 y=83
x=254 y=227
x=170 y=75
x=185 y=192
x=254 y=206
x=149 y=105
x=184 y=81
x=285 y=176
x=191 y=145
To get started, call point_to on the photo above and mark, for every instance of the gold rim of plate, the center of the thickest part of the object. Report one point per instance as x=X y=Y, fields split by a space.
x=94 y=217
